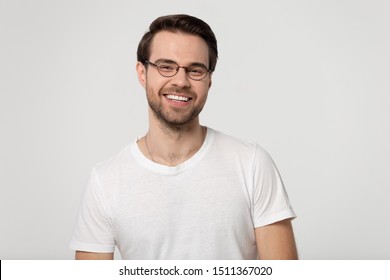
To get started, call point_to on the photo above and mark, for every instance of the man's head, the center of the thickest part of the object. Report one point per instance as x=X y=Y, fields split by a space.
x=179 y=23
x=175 y=62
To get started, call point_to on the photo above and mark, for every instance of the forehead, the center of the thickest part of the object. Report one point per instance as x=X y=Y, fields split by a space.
x=181 y=47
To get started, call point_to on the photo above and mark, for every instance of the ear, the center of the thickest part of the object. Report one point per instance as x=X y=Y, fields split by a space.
x=141 y=73
x=210 y=80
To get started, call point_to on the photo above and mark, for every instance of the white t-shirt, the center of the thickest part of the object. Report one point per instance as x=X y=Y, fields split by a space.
x=205 y=208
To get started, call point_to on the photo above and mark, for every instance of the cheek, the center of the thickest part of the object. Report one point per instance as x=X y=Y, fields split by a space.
x=202 y=94
x=156 y=83
x=203 y=89
x=153 y=84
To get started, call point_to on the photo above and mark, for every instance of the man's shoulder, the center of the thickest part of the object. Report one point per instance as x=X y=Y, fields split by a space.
x=234 y=145
x=114 y=162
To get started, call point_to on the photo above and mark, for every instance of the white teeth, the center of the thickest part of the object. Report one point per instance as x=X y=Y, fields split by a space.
x=177 y=98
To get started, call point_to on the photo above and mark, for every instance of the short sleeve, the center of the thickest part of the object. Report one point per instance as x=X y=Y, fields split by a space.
x=270 y=199
x=93 y=229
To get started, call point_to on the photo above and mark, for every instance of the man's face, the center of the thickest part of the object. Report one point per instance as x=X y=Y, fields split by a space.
x=162 y=92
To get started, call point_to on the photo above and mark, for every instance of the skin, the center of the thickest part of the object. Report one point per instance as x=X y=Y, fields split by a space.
x=80 y=255
x=175 y=133
x=276 y=241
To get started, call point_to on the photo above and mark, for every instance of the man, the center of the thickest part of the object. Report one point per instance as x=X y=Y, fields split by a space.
x=184 y=191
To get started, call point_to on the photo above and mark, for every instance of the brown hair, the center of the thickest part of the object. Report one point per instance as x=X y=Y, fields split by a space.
x=181 y=23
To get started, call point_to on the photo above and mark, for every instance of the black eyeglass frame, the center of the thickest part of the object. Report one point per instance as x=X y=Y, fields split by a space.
x=177 y=70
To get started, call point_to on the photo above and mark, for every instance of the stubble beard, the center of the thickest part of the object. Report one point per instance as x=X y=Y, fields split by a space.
x=173 y=118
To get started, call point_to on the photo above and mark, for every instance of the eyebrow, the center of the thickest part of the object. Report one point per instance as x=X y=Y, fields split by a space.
x=172 y=61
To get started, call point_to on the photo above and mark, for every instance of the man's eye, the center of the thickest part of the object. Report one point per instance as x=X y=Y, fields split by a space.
x=196 y=71
x=166 y=67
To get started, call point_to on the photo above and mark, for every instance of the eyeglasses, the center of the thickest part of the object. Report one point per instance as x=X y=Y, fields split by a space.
x=169 y=69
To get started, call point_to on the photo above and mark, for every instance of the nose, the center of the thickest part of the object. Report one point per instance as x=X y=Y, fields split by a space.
x=181 y=79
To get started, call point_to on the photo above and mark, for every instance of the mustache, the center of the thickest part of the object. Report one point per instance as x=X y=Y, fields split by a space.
x=172 y=90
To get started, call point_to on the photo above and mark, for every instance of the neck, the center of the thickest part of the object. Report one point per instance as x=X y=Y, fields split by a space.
x=172 y=145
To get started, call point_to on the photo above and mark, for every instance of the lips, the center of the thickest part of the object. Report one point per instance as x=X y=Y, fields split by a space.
x=176 y=98
x=179 y=98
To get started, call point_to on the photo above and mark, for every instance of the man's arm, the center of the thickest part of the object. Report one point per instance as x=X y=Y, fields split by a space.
x=276 y=241
x=80 y=255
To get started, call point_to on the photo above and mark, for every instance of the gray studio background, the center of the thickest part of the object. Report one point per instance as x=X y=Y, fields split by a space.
x=308 y=80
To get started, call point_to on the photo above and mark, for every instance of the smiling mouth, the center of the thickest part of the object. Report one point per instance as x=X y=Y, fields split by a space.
x=177 y=98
